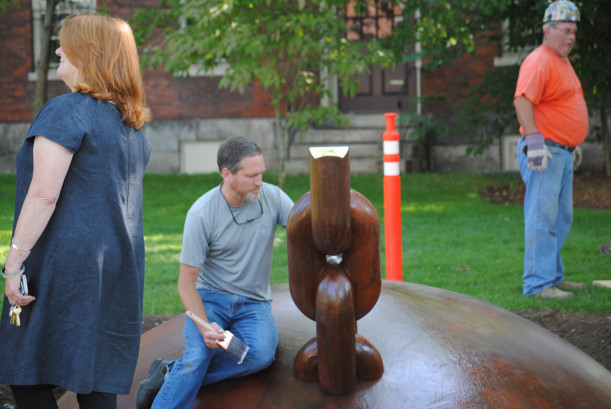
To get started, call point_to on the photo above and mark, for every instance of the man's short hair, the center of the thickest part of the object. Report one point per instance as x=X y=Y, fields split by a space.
x=551 y=25
x=233 y=150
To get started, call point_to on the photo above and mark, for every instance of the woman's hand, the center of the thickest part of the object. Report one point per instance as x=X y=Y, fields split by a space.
x=13 y=292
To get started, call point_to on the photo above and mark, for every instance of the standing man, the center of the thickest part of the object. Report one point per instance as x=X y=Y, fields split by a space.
x=552 y=112
x=225 y=268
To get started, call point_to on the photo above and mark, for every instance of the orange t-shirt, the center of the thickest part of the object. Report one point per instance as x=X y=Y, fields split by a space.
x=550 y=83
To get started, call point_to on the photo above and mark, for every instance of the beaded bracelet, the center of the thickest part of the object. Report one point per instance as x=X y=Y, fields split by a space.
x=11 y=275
x=16 y=247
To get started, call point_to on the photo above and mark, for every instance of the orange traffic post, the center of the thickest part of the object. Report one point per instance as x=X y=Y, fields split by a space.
x=392 y=200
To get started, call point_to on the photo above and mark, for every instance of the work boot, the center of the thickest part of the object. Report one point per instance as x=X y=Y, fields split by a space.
x=550 y=292
x=148 y=388
x=569 y=285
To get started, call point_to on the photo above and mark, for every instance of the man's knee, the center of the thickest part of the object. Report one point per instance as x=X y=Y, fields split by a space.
x=261 y=356
x=195 y=360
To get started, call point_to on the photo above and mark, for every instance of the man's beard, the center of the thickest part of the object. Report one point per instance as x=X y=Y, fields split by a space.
x=246 y=197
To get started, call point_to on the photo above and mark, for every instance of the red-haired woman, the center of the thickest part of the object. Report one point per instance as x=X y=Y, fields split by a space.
x=77 y=232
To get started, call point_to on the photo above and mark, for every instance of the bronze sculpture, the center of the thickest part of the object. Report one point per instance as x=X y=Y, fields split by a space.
x=333 y=242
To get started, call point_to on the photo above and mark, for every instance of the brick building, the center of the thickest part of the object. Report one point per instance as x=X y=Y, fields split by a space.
x=192 y=115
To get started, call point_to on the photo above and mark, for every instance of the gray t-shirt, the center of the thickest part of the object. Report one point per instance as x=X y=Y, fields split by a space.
x=232 y=258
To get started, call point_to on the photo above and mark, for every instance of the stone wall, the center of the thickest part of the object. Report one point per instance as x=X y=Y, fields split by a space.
x=189 y=146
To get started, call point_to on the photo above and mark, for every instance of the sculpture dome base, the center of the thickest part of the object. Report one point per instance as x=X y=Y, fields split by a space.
x=440 y=349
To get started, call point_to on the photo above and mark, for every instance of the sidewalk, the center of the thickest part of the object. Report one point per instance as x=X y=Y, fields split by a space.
x=602 y=283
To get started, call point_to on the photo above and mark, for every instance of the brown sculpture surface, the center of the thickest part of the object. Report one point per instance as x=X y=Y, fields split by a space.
x=440 y=349
x=333 y=242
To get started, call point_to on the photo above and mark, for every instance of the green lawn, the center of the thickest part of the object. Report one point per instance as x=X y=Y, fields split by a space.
x=452 y=238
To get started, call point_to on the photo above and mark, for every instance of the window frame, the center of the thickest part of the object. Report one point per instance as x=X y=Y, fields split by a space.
x=507 y=56
x=63 y=8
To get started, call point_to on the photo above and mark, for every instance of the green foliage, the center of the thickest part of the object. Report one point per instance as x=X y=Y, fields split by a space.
x=420 y=126
x=592 y=55
x=591 y=58
x=6 y=5
x=452 y=238
x=487 y=110
x=448 y=30
x=290 y=47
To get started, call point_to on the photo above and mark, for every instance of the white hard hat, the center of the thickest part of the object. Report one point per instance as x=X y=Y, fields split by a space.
x=561 y=10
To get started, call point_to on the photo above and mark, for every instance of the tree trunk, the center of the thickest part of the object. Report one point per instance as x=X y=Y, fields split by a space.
x=605 y=135
x=43 y=59
x=281 y=134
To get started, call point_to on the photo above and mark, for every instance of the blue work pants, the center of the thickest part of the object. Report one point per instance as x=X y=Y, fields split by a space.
x=548 y=215
x=250 y=321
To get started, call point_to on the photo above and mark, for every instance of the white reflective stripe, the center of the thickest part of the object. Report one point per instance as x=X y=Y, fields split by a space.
x=321 y=151
x=391 y=168
x=391 y=147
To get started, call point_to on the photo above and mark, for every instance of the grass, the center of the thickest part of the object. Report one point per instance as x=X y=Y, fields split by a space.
x=452 y=238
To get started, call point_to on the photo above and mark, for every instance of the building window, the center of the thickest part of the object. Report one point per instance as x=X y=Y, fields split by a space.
x=516 y=45
x=63 y=8
x=376 y=20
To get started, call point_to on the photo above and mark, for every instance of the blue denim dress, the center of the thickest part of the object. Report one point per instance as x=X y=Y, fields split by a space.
x=87 y=268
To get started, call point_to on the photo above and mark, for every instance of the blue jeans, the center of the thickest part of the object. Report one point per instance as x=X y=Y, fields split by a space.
x=249 y=320
x=548 y=215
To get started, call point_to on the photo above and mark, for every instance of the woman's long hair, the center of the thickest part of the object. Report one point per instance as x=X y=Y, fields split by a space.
x=104 y=51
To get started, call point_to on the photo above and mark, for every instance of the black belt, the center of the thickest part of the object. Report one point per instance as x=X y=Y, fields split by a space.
x=549 y=142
